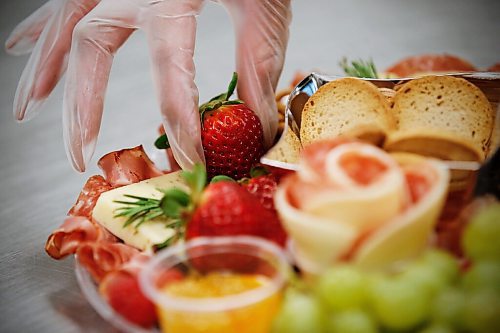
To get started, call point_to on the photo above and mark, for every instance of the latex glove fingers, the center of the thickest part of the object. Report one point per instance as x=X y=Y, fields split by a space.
x=170 y=26
x=96 y=38
x=262 y=29
x=48 y=60
x=171 y=30
x=24 y=36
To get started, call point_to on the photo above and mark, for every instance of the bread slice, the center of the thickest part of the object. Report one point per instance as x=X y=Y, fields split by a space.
x=346 y=107
x=441 y=116
x=287 y=149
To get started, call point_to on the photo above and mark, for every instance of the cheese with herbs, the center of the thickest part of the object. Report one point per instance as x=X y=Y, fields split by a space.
x=149 y=233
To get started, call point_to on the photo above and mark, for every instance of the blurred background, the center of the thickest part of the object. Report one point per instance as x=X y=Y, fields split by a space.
x=38 y=186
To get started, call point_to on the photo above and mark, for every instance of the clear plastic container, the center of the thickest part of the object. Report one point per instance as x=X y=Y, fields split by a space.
x=91 y=293
x=230 y=259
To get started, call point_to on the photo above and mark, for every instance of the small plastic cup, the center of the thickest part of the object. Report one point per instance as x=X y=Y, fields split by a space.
x=239 y=257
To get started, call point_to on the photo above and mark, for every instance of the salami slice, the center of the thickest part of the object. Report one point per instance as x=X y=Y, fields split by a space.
x=93 y=188
x=428 y=63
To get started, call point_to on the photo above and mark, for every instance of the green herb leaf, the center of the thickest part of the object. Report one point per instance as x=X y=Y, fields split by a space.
x=359 y=68
x=138 y=211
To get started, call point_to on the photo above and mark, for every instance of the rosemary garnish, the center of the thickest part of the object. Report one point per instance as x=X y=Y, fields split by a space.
x=138 y=211
x=359 y=68
x=175 y=205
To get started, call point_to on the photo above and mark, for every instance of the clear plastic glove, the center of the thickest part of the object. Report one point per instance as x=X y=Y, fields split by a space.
x=83 y=36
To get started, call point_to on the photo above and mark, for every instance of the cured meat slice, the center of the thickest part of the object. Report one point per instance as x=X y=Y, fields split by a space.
x=353 y=201
x=408 y=233
x=100 y=258
x=350 y=176
x=75 y=230
x=428 y=63
x=93 y=188
x=128 y=166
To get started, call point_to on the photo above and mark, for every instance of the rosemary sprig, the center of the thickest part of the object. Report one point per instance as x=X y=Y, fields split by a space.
x=175 y=205
x=359 y=68
x=138 y=211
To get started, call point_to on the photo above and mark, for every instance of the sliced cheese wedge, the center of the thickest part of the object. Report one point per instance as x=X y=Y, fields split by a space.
x=149 y=233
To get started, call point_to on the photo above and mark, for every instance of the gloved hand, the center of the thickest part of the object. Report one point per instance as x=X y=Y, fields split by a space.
x=83 y=36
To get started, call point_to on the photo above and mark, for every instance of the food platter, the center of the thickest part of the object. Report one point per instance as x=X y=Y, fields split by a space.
x=402 y=213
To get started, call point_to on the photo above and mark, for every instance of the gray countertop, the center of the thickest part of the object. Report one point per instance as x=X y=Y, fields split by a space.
x=38 y=186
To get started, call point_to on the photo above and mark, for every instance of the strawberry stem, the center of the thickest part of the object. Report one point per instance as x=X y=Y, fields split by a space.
x=222 y=99
x=232 y=86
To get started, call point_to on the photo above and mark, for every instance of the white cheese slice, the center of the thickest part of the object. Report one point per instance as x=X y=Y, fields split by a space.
x=148 y=233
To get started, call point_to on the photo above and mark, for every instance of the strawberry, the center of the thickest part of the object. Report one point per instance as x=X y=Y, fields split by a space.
x=122 y=292
x=231 y=135
x=263 y=187
x=226 y=209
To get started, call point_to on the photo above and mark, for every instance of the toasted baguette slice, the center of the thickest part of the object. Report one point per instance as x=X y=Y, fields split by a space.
x=347 y=106
x=287 y=149
x=446 y=117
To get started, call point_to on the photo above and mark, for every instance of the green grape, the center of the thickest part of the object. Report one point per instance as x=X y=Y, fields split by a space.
x=448 y=308
x=437 y=328
x=482 y=235
x=342 y=288
x=426 y=276
x=300 y=313
x=482 y=311
x=443 y=262
x=483 y=274
x=399 y=304
x=351 y=321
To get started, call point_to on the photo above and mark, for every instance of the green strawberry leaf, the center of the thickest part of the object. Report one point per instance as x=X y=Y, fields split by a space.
x=232 y=86
x=221 y=178
x=257 y=171
x=221 y=99
x=162 y=142
x=196 y=179
x=174 y=202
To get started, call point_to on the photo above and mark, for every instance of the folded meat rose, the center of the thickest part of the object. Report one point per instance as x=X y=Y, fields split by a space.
x=353 y=201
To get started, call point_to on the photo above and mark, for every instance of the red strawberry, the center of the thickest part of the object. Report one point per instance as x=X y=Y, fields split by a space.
x=231 y=135
x=226 y=209
x=223 y=208
x=263 y=187
x=122 y=291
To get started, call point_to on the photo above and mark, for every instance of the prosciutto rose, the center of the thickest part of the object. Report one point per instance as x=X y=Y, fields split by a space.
x=352 y=201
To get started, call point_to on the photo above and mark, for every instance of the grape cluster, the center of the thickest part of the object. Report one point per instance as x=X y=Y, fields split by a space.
x=429 y=295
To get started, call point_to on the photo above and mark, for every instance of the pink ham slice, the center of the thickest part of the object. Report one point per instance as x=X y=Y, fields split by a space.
x=75 y=231
x=128 y=166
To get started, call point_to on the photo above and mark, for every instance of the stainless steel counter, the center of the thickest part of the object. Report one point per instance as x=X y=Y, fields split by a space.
x=38 y=186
